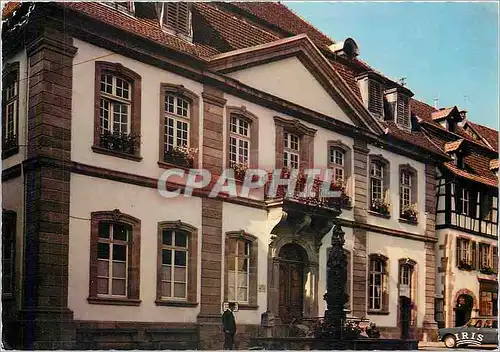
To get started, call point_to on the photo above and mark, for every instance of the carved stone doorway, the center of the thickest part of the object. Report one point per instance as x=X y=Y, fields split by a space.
x=292 y=262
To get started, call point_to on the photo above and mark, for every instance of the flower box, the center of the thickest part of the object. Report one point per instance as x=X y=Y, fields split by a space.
x=380 y=207
x=240 y=170
x=487 y=271
x=410 y=213
x=120 y=142
x=181 y=156
x=464 y=265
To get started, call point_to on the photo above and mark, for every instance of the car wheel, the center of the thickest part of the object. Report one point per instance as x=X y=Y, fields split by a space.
x=450 y=341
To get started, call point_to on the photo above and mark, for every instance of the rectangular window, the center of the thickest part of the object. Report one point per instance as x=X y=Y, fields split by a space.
x=464 y=201
x=112 y=259
x=405 y=275
x=174 y=257
x=10 y=110
x=176 y=16
x=238 y=264
x=403 y=111
x=291 y=156
x=405 y=190
x=376 y=284
x=376 y=181
x=115 y=105
x=239 y=141
x=485 y=255
x=337 y=162
x=176 y=123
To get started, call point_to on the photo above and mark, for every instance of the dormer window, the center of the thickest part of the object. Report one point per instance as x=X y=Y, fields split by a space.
x=176 y=16
x=123 y=6
x=372 y=90
x=398 y=101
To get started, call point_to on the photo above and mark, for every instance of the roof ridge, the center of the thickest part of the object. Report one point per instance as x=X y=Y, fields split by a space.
x=306 y=21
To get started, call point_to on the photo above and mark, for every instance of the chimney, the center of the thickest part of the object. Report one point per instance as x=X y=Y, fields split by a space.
x=348 y=48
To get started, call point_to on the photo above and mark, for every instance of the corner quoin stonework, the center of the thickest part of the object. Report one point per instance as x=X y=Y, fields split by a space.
x=209 y=319
x=46 y=321
x=359 y=234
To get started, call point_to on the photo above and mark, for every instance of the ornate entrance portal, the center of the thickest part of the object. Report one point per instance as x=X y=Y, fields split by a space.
x=292 y=261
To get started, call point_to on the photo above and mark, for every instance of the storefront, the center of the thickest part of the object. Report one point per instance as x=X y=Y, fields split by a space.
x=488 y=297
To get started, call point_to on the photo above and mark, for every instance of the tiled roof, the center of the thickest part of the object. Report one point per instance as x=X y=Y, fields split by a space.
x=285 y=19
x=470 y=176
x=494 y=164
x=487 y=133
x=8 y=8
x=146 y=28
x=439 y=114
x=452 y=146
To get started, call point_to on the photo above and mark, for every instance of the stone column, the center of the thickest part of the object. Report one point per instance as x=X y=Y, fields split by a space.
x=209 y=319
x=360 y=214
x=429 y=323
x=46 y=321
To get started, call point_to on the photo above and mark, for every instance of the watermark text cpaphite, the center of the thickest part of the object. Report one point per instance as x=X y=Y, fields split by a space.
x=253 y=179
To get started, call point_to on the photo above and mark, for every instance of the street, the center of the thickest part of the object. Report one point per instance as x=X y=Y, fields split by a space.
x=439 y=346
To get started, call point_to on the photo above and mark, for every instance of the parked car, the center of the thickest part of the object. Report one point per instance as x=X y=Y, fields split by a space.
x=478 y=331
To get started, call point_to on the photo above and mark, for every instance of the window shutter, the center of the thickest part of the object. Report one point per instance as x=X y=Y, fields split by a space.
x=403 y=111
x=474 y=255
x=176 y=16
x=459 y=242
x=375 y=99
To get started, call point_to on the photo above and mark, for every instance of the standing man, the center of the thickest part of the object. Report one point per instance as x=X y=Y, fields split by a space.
x=229 y=326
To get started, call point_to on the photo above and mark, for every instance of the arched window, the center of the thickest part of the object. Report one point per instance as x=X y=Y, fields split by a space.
x=114 y=258
x=378 y=300
x=241 y=269
x=118 y=111
x=177 y=264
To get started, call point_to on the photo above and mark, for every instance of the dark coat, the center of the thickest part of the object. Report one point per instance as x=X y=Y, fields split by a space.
x=228 y=321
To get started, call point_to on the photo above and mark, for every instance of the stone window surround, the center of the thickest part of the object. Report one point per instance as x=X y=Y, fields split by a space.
x=253 y=121
x=306 y=143
x=134 y=79
x=192 y=260
x=134 y=252
x=414 y=184
x=8 y=70
x=253 y=268
x=194 y=120
x=386 y=184
x=384 y=310
x=413 y=286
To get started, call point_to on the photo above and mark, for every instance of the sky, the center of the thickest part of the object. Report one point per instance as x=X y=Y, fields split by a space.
x=447 y=50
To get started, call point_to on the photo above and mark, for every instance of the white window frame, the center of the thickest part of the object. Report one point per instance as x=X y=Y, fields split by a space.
x=337 y=163
x=291 y=150
x=236 y=271
x=405 y=274
x=372 y=287
x=375 y=177
x=112 y=98
x=110 y=241
x=176 y=118
x=240 y=140
x=173 y=248
x=405 y=189
x=465 y=201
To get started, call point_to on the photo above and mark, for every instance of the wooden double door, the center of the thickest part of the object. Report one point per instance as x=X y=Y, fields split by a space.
x=293 y=261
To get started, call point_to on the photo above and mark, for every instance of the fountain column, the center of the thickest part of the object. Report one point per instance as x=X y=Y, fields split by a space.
x=336 y=296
